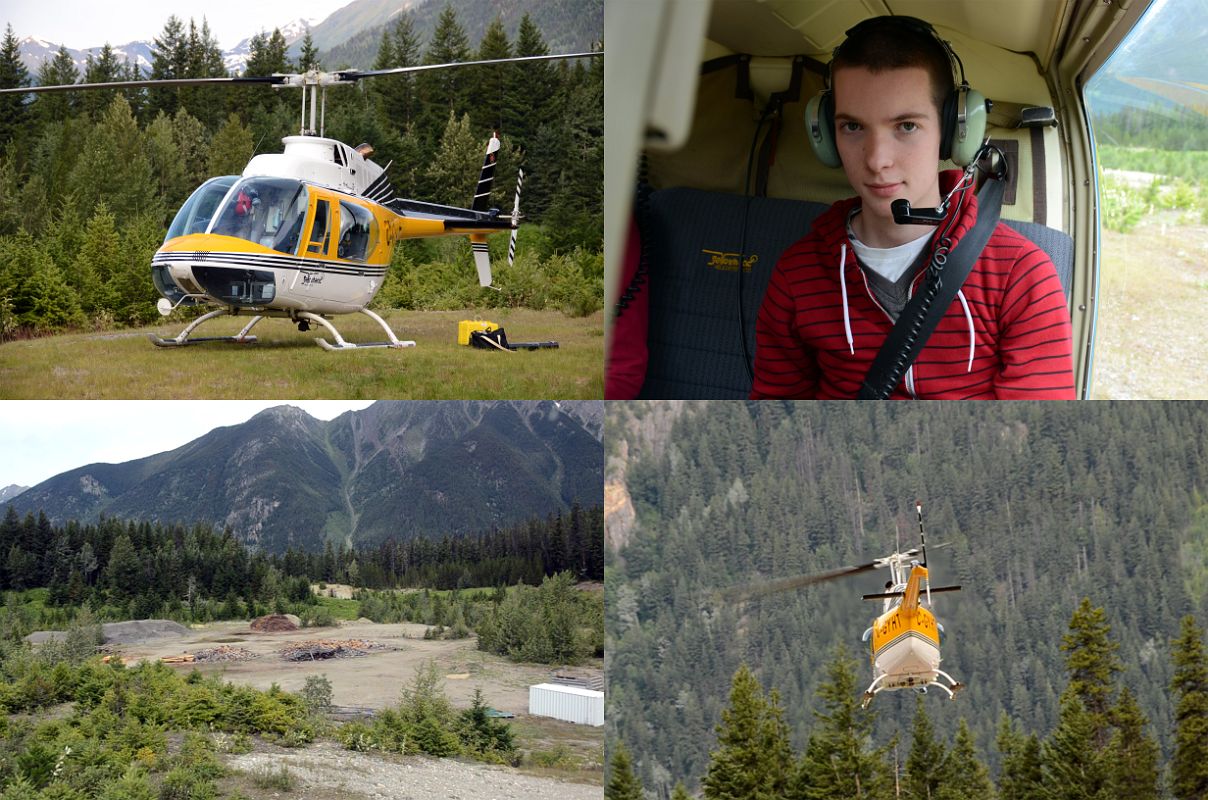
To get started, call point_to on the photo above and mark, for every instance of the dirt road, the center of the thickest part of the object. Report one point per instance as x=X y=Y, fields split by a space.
x=326 y=772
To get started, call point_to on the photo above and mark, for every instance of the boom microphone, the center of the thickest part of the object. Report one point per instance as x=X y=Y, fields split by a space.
x=903 y=214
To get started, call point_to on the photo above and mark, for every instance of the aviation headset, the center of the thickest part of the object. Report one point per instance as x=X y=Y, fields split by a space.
x=962 y=118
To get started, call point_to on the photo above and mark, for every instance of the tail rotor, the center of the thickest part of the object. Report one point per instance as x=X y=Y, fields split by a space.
x=515 y=217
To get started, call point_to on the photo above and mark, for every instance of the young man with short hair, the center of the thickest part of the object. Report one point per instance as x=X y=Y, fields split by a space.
x=834 y=295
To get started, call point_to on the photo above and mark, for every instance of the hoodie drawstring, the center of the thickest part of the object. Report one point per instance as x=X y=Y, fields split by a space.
x=843 y=293
x=960 y=293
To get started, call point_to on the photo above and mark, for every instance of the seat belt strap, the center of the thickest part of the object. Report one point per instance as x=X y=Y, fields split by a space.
x=924 y=311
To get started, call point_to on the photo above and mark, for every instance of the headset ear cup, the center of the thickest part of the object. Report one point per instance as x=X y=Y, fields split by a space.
x=964 y=149
x=820 y=128
x=948 y=124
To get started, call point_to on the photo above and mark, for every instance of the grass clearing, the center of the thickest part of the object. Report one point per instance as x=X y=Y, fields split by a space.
x=286 y=364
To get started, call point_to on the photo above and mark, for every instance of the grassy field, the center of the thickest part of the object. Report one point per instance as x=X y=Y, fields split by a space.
x=286 y=364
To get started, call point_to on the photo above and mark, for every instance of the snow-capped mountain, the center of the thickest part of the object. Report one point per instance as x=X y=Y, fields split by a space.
x=236 y=58
x=35 y=52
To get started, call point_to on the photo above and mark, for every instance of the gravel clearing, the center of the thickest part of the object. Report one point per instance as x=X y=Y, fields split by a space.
x=325 y=767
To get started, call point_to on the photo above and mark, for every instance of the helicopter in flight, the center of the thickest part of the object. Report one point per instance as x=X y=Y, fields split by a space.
x=905 y=637
x=307 y=234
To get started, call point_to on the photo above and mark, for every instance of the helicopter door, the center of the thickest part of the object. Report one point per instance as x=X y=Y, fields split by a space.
x=320 y=229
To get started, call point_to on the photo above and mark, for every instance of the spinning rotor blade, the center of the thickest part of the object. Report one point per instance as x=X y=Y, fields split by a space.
x=752 y=590
x=75 y=87
x=356 y=75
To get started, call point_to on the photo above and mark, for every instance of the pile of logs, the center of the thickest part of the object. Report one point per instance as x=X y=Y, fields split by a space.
x=214 y=655
x=319 y=649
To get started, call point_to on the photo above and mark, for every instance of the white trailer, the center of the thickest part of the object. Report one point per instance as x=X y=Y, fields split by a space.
x=567 y=703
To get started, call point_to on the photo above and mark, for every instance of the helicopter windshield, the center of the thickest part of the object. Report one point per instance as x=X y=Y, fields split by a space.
x=267 y=211
x=195 y=215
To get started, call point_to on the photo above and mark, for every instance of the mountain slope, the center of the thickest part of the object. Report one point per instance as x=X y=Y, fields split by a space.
x=402 y=469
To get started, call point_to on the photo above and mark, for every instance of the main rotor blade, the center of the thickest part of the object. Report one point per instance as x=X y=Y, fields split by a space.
x=752 y=590
x=356 y=75
x=75 y=87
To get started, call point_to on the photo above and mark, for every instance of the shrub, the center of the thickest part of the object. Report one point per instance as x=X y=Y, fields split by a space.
x=281 y=779
x=131 y=786
x=183 y=783
x=357 y=737
x=316 y=694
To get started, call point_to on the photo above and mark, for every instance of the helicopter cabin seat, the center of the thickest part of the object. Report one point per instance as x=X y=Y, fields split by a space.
x=731 y=192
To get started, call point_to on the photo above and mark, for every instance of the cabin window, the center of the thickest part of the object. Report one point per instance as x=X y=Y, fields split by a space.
x=266 y=211
x=319 y=229
x=195 y=215
x=356 y=229
x=1148 y=114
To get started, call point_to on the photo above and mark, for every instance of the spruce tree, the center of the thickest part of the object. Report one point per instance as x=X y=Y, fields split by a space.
x=51 y=106
x=231 y=148
x=925 y=764
x=1133 y=756
x=1074 y=767
x=680 y=793
x=622 y=785
x=104 y=68
x=1021 y=776
x=442 y=91
x=308 y=57
x=13 y=75
x=753 y=759
x=1092 y=664
x=965 y=777
x=839 y=761
x=114 y=166
x=1189 y=766
x=169 y=60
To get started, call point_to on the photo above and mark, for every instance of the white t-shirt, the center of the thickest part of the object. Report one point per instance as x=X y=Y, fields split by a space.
x=889 y=262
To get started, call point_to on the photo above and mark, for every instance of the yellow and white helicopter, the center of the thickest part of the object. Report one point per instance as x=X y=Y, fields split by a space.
x=308 y=233
x=905 y=637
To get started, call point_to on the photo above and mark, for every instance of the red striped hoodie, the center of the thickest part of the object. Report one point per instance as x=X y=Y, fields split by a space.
x=1006 y=335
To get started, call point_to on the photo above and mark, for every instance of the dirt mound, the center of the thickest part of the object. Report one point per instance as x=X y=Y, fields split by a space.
x=274 y=623
x=141 y=630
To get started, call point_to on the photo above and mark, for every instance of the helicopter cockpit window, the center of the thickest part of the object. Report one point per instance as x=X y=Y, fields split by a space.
x=267 y=211
x=356 y=230
x=195 y=215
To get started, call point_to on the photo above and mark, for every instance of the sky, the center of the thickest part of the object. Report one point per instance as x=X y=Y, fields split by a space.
x=41 y=438
x=88 y=23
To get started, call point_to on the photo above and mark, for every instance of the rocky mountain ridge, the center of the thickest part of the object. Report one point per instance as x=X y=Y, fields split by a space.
x=402 y=469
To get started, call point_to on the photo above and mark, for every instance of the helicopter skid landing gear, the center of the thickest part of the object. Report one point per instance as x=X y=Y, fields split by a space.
x=183 y=339
x=343 y=345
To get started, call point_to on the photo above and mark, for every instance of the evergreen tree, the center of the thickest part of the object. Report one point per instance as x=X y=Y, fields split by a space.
x=753 y=759
x=230 y=150
x=488 y=86
x=528 y=111
x=169 y=60
x=1133 y=755
x=13 y=75
x=98 y=263
x=51 y=106
x=924 y=765
x=1092 y=664
x=443 y=90
x=396 y=94
x=838 y=760
x=122 y=573
x=308 y=57
x=453 y=171
x=965 y=777
x=1074 y=767
x=1021 y=776
x=104 y=68
x=680 y=793
x=622 y=785
x=114 y=166
x=1189 y=766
